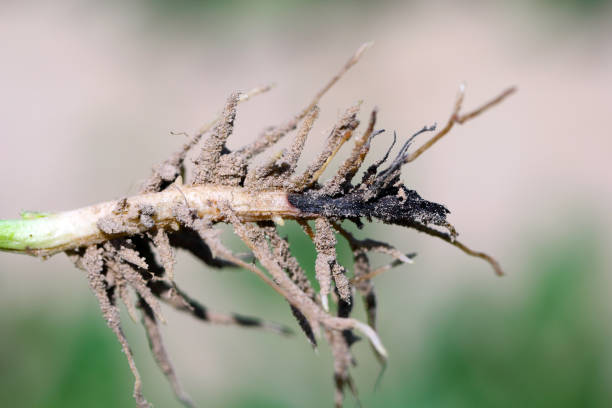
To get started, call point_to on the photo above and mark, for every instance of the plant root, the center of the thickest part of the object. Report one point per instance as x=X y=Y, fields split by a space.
x=128 y=247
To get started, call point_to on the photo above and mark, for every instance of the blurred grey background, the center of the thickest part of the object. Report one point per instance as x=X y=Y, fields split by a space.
x=90 y=92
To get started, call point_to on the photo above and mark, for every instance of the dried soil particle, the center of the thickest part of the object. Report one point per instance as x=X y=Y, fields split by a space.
x=165 y=252
x=122 y=219
x=326 y=264
x=212 y=149
x=341 y=133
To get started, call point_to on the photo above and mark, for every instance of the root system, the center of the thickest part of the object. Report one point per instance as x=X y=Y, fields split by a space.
x=127 y=247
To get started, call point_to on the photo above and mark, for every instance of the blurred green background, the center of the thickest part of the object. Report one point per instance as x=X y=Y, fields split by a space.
x=91 y=91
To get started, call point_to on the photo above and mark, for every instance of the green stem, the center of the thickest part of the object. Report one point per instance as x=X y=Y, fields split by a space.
x=20 y=235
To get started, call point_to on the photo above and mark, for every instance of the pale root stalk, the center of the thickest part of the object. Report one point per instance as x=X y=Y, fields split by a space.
x=48 y=234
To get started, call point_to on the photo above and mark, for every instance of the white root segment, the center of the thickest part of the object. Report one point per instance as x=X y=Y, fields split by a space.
x=68 y=230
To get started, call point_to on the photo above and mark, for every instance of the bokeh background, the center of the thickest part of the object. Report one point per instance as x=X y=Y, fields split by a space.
x=90 y=92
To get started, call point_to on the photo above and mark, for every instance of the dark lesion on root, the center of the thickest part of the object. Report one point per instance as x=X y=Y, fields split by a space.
x=396 y=205
x=379 y=195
